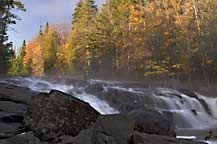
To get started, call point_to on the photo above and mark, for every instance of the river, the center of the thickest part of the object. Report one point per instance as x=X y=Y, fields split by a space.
x=194 y=116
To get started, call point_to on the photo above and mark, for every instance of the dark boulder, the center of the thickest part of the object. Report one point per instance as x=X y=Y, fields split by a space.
x=152 y=121
x=112 y=129
x=142 y=138
x=84 y=137
x=109 y=129
x=59 y=112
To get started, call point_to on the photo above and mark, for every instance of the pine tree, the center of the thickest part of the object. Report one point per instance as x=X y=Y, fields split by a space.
x=46 y=28
x=145 y=39
x=114 y=35
x=7 y=17
x=18 y=67
x=80 y=41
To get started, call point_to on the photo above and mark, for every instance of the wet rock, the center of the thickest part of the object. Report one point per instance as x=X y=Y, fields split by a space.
x=24 y=138
x=10 y=124
x=12 y=107
x=205 y=106
x=15 y=94
x=124 y=101
x=10 y=129
x=47 y=135
x=209 y=136
x=10 y=118
x=112 y=129
x=142 y=138
x=94 y=88
x=194 y=111
x=152 y=121
x=192 y=94
x=84 y=137
x=59 y=112
x=189 y=93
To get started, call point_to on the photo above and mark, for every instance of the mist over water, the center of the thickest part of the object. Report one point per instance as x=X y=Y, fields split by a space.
x=42 y=85
x=191 y=114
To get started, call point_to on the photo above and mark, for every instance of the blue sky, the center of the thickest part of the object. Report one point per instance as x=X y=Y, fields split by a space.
x=38 y=12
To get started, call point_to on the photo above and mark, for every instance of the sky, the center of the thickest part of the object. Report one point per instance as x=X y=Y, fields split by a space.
x=38 y=12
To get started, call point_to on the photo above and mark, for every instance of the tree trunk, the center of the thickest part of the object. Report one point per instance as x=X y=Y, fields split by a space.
x=197 y=17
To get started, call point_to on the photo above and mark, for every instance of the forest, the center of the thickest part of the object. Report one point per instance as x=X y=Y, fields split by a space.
x=137 y=39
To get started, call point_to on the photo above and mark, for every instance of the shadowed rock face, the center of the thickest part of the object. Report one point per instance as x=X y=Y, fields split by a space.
x=59 y=112
x=112 y=129
x=13 y=105
x=118 y=129
x=153 y=122
x=25 y=138
x=10 y=129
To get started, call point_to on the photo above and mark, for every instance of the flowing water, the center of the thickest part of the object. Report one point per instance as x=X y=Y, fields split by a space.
x=194 y=117
x=42 y=85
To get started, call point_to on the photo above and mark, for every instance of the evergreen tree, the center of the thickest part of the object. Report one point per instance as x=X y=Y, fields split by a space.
x=46 y=28
x=113 y=37
x=80 y=41
x=7 y=17
x=144 y=39
x=18 y=66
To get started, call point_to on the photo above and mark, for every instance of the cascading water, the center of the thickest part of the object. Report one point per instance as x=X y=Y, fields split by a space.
x=41 y=85
x=191 y=114
x=188 y=112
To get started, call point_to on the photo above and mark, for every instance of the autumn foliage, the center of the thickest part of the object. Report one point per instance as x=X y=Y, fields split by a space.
x=153 y=38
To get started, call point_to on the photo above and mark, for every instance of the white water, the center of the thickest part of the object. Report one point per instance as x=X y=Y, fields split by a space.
x=41 y=85
x=186 y=137
x=102 y=106
x=188 y=112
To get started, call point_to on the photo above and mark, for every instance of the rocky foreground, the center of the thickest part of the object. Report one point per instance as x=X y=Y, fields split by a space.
x=27 y=117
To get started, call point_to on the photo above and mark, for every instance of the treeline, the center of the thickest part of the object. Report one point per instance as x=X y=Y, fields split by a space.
x=7 y=18
x=142 y=38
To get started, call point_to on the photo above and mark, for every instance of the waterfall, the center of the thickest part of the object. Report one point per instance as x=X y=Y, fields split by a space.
x=42 y=85
x=187 y=111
